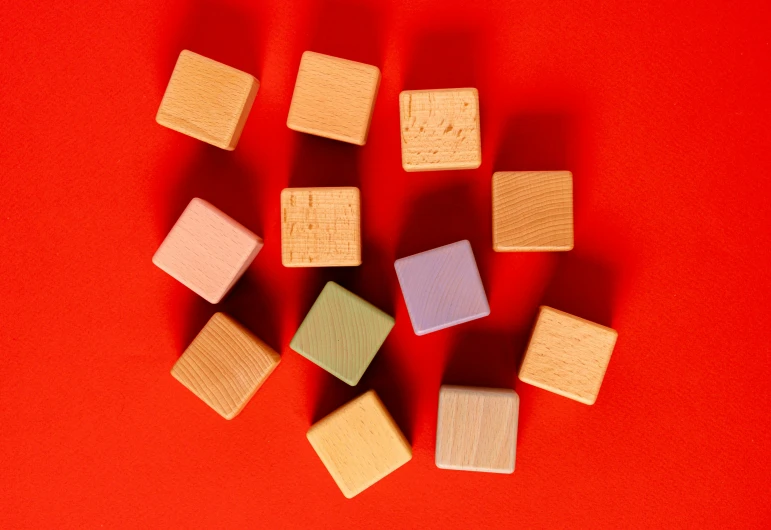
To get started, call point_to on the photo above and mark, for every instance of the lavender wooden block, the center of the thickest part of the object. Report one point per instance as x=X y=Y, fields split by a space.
x=442 y=287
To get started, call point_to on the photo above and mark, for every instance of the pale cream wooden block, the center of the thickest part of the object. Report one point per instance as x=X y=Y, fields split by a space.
x=225 y=365
x=320 y=227
x=334 y=98
x=207 y=100
x=359 y=444
x=440 y=129
x=568 y=355
x=532 y=211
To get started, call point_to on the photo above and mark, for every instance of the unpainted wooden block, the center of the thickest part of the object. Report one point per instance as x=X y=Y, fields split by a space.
x=334 y=98
x=207 y=251
x=477 y=429
x=359 y=444
x=225 y=365
x=532 y=211
x=207 y=100
x=440 y=129
x=568 y=355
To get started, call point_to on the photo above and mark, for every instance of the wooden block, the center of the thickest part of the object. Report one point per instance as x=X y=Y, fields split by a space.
x=532 y=211
x=440 y=129
x=320 y=227
x=207 y=251
x=207 y=100
x=342 y=333
x=477 y=429
x=442 y=287
x=568 y=355
x=359 y=444
x=334 y=98
x=225 y=365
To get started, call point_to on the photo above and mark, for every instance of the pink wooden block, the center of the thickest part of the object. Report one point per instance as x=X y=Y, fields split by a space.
x=207 y=251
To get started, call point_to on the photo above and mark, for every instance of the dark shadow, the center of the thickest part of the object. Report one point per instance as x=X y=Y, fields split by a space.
x=533 y=142
x=374 y=280
x=443 y=59
x=350 y=30
x=485 y=359
x=320 y=162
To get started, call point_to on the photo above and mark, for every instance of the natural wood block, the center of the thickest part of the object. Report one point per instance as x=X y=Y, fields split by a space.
x=320 y=227
x=342 y=333
x=359 y=444
x=207 y=100
x=334 y=98
x=477 y=429
x=207 y=251
x=532 y=211
x=568 y=355
x=225 y=365
x=440 y=129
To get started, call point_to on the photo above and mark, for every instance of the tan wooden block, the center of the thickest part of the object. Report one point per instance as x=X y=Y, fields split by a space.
x=207 y=100
x=568 y=355
x=359 y=444
x=320 y=227
x=477 y=429
x=532 y=211
x=334 y=98
x=440 y=129
x=225 y=365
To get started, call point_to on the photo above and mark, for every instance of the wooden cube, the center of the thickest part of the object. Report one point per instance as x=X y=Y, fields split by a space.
x=477 y=429
x=225 y=365
x=342 y=333
x=207 y=251
x=568 y=355
x=320 y=227
x=334 y=98
x=207 y=100
x=359 y=444
x=440 y=129
x=532 y=211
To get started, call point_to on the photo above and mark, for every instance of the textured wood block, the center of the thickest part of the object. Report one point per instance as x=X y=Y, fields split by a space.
x=207 y=251
x=359 y=444
x=440 y=129
x=532 y=211
x=207 y=100
x=320 y=227
x=442 y=287
x=342 y=333
x=225 y=365
x=477 y=429
x=568 y=355
x=334 y=98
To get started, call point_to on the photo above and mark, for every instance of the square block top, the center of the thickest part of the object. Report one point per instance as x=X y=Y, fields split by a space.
x=359 y=444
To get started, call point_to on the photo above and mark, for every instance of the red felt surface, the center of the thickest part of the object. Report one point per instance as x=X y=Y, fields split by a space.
x=661 y=110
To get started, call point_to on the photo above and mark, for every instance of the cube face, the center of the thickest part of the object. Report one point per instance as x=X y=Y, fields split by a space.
x=207 y=100
x=442 y=287
x=342 y=333
x=334 y=98
x=568 y=355
x=320 y=227
x=477 y=429
x=225 y=365
x=532 y=211
x=207 y=251
x=359 y=444
x=440 y=129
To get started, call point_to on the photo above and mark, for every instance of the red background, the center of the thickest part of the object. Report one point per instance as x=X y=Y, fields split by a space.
x=662 y=113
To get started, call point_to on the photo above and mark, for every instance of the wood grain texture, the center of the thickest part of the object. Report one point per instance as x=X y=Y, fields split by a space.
x=568 y=355
x=225 y=365
x=442 y=287
x=477 y=429
x=440 y=129
x=207 y=100
x=320 y=227
x=532 y=211
x=359 y=444
x=334 y=98
x=342 y=333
